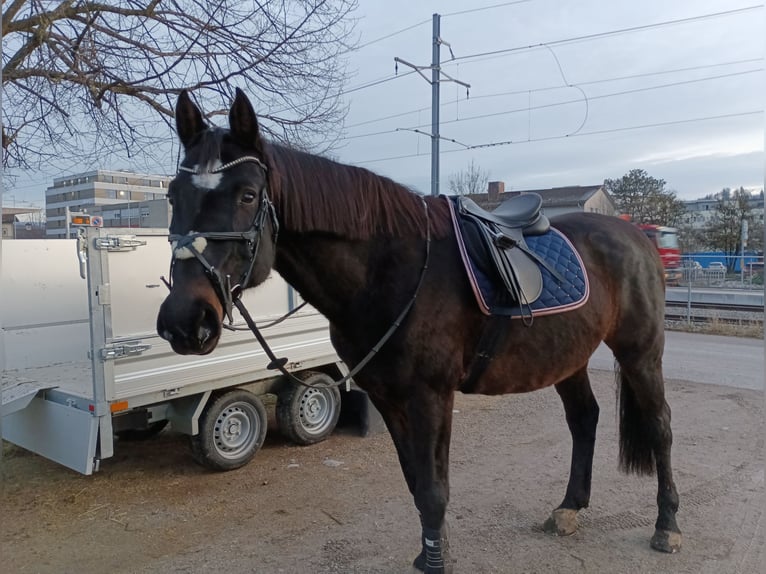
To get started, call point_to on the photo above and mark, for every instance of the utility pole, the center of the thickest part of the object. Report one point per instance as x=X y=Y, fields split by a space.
x=435 y=102
x=435 y=81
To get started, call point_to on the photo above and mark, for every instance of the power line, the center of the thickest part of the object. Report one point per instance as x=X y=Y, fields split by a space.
x=416 y=25
x=485 y=8
x=566 y=102
x=540 y=45
x=627 y=77
x=594 y=132
x=613 y=32
x=558 y=87
x=519 y=48
x=602 y=96
x=387 y=36
x=369 y=84
x=374 y=83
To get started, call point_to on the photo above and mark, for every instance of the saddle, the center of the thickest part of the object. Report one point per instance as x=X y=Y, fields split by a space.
x=495 y=242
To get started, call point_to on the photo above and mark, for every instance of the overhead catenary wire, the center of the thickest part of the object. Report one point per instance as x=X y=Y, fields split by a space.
x=567 y=136
x=386 y=37
x=572 y=39
x=559 y=86
x=615 y=32
x=562 y=103
x=482 y=8
x=423 y=22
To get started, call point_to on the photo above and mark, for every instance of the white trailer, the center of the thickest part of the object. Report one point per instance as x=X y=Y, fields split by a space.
x=81 y=360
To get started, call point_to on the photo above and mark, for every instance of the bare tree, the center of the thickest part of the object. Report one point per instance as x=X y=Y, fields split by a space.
x=471 y=180
x=725 y=230
x=101 y=77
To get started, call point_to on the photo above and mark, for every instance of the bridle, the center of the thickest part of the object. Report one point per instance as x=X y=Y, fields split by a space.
x=230 y=295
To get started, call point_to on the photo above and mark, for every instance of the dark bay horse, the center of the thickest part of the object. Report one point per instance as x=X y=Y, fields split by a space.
x=354 y=245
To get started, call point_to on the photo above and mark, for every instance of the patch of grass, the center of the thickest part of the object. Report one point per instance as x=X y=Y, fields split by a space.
x=717 y=327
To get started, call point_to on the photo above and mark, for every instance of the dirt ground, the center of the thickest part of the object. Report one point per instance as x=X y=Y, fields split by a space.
x=342 y=506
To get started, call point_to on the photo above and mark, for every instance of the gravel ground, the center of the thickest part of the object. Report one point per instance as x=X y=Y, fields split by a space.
x=342 y=506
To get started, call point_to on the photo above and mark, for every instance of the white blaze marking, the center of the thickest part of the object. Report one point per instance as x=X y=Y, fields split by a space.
x=204 y=179
x=199 y=244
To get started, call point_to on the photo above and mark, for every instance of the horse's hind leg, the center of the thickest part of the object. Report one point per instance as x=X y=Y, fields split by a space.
x=645 y=435
x=581 y=411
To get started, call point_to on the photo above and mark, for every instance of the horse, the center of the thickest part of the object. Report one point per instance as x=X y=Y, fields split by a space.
x=376 y=258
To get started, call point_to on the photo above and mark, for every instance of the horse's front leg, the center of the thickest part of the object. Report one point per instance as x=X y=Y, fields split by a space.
x=420 y=427
x=430 y=429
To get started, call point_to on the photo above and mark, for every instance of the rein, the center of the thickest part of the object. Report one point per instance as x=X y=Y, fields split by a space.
x=231 y=296
x=279 y=364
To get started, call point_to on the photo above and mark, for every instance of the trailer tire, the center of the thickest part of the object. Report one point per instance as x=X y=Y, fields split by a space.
x=135 y=435
x=307 y=415
x=231 y=430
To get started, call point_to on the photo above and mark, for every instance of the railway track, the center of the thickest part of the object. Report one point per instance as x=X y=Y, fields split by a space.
x=728 y=314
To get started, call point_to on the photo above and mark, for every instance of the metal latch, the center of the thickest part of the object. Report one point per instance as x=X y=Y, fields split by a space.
x=118 y=243
x=123 y=350
x=82 y=251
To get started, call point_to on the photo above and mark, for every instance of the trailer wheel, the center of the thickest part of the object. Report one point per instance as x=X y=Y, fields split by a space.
x=231 y=430
x=308 y=415
x=151 y=430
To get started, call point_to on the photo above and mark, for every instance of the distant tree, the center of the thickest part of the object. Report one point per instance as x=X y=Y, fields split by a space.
x=691 y=239
x=755 y=236
x=725 y=230
x=83 y=78
x=473 y=179
x=756 y=231
x=645 y=199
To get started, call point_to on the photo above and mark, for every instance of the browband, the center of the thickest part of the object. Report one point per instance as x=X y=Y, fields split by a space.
x=243 y=159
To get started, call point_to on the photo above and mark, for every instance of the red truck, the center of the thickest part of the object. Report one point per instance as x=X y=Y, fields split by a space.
x=665 y=239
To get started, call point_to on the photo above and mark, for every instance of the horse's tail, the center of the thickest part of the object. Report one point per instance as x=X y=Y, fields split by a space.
x=636 y=452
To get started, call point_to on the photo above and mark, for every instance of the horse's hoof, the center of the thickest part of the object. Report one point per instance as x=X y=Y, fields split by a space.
x=666 y=541
x=446 y=569
x=420 y=561
x=419 y=564
x=562 y=522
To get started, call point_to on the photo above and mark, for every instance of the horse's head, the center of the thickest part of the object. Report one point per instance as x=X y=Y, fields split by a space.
x=223 y=231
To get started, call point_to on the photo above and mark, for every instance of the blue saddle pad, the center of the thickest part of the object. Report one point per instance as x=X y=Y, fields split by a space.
x=556 y=296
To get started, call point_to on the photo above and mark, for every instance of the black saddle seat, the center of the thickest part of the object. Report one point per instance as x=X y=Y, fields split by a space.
x=496 y=239
x=518 y=212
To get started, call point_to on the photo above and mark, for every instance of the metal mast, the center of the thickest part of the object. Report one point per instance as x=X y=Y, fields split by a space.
x=436 y=79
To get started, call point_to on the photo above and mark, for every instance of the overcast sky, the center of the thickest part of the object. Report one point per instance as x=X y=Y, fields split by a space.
x=679 y=96
x=551 y=146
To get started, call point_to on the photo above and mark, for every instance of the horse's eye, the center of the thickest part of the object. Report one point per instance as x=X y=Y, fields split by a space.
x=248 y=197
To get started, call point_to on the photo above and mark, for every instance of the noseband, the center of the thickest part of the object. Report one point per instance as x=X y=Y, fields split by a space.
x=228 y=293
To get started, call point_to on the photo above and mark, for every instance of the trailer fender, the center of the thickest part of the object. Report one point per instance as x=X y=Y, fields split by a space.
x=184 y=413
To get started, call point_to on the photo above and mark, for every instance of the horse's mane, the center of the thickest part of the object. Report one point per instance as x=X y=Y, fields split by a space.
x=313 y=193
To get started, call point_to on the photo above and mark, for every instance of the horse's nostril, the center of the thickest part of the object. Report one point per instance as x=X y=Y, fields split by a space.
x=207 y=328
x=203 y=335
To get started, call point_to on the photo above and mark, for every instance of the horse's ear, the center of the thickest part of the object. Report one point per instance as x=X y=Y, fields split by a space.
x=244 y=124
x=189 y=120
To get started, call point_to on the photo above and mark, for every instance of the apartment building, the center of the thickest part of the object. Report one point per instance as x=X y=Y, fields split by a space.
x=131 y=196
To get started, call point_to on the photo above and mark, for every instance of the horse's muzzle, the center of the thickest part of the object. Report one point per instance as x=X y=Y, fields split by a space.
x=191 y=327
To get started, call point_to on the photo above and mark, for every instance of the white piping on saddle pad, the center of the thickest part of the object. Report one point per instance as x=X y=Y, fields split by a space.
x=199 y=243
